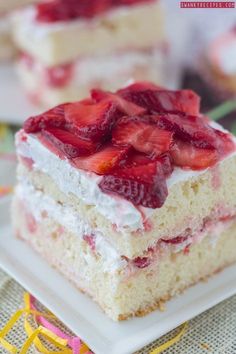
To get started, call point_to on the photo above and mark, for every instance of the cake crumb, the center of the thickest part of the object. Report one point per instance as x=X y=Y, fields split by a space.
x=162 y=306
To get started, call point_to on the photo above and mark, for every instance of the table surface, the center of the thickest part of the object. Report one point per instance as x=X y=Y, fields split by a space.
x=211 y=332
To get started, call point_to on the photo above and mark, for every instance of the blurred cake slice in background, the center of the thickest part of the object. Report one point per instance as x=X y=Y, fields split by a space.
x=213 y=75
x=70 y=46
x=7 y=48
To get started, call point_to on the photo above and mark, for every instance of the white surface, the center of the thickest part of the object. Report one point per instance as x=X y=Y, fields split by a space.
x=84 y=317
x=14 y=106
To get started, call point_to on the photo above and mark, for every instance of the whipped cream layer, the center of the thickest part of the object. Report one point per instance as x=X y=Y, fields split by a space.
x=84 y=185
x=39 y=203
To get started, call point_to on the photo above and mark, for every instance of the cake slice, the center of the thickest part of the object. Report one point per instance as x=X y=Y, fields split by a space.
x=131 y=195
x=71 y=46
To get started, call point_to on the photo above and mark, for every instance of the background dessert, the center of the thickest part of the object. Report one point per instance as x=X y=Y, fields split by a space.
x=69 y=47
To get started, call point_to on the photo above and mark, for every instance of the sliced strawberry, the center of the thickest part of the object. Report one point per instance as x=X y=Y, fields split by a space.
x=139 y=86
x=52 y=118
x=141 y=262
x=91 y=121
x=167 y=164
x=224 y=143
x=69 y=144
x=142 y=136
x=191 y=129
x=161 y=100
x=65 y=10
x=190 y=157
x=59 y=75
x=126 y=107
x=102 y=161
x=176 y=240
x=91 y=241
x=136 y=159
x=142 y=185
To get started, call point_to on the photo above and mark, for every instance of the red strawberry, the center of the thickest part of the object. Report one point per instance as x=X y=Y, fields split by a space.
x=191 y=157
x=90 y=239
x=91 y=121
x=60 y=75
x=52 y=118
x=141 y=262
x=137 y=159
x=102 y=161
x=175 y=240
x=191 y=129
x=142 y=185
x=126 y=107
x=161 y=100
x=138 y=86
x=64 y=10
x=142 y=136
x=67 y=143
x=224 y=143
x=167 y=164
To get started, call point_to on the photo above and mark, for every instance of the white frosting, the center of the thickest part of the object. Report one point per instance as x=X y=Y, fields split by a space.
x=228 y=58
x=67 y=217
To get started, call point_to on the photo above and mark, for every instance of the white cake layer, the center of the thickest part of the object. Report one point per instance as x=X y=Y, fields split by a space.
x=136 y=27
x=9 y=5
x=7 y=47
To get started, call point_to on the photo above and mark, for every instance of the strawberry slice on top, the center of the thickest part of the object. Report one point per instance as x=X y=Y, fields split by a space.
x=144 y=137
x=54 y=117
x=188 y=156
x=127 y=108
x=104 y=160
x=156 y=99
x=91 y=121
x=67 y=143
x=142 y=185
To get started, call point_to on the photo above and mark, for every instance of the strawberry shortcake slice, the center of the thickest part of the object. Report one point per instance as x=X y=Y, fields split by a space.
x=130 y=194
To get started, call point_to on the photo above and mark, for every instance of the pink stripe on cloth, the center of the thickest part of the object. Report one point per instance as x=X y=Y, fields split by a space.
x=74 y=343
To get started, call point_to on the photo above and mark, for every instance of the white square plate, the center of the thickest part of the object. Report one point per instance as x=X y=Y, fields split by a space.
x=84 y=317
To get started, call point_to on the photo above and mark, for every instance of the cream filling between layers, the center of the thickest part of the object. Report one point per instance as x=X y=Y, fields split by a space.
x=84 y=185
x=38 y=203
x=99 y=69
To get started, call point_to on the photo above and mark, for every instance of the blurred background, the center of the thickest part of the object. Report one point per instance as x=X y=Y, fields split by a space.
x=57 y=50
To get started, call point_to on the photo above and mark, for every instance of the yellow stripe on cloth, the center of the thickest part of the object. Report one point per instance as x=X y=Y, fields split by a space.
x=52 y=338
x=172 y=341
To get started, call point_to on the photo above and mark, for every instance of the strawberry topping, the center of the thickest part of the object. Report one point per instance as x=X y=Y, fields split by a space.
x=65 y=10
x=144 y=137
x=190 y=157
x=156 y=99
x=133 y=139
x=68 y=143
x=91 y=121
x=125 y=107
x=102 y=161
x=52 y=118
x=142 y=185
